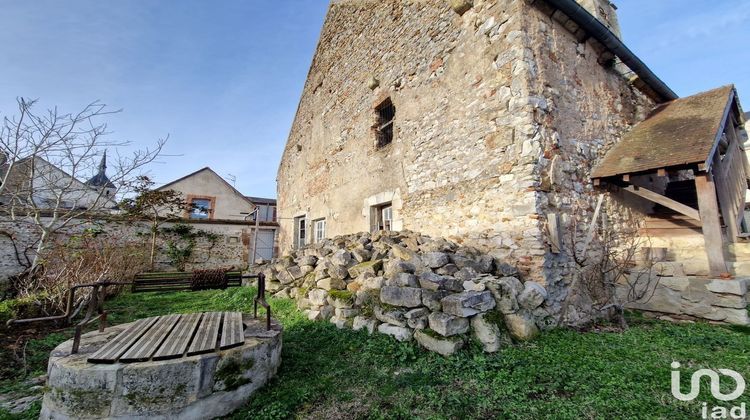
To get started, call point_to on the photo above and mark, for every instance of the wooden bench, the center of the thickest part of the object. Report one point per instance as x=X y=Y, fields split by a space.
x=176 y=280
x=173 y=336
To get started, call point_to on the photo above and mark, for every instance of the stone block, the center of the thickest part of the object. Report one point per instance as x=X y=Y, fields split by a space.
x=447 y=325
x=445 y=346
x=403 y=280
x=432 y=281
x=393 y=317
x=330 y=283
x=474 y=287
x=395 y=266
x=399 y=333
x=361 y=322
x=431 y=299
x=532 y=296
x=372 y=283
x=317 y=297
x=345 y=312
x=409 y=297
x=521 y=326
x=488 y=333
x=341 y=257
x=734 y=287
x=371 y=267
x=417 y=318
x=435 y=259
x=468 y=303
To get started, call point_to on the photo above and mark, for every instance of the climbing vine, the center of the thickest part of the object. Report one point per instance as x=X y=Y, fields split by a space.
x=181 y=240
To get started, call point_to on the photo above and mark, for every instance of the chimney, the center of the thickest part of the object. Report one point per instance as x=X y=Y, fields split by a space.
x=605 y=11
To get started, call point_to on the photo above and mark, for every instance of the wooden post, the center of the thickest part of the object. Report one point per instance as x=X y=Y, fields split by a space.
x=709 y=213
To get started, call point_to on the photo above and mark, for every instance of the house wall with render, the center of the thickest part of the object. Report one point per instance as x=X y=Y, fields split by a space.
x=500 y=114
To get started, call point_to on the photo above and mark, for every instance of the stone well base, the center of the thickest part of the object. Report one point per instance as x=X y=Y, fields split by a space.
x=196 y=387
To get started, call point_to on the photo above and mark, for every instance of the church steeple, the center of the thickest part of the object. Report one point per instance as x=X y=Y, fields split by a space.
x=100 y=180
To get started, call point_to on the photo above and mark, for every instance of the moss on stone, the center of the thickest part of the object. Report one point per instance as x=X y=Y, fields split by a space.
x=343 y=295
x=495 y=317
x=231 y=373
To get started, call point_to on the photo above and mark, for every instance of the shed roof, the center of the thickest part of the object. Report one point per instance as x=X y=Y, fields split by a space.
x=677 y=133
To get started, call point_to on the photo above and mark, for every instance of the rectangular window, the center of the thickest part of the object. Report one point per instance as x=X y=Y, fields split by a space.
x=300 y=226
x=386 y=114
x=201 y=208
x=381 y=217
x=320 y=230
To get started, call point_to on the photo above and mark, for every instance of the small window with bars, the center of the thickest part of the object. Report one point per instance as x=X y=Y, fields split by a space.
x=386 y=114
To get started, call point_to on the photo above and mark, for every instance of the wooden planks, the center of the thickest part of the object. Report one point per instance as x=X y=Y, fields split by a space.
x=173 y=336
x=232 y=333
x=177 y=342
x=208 y=332
x=150 y=342
x=112 y=351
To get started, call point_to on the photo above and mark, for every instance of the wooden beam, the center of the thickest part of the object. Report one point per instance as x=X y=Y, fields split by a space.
x=626 y=177
x=661 y=172
x=553 y=227
x=709 y=213
x=664 y=201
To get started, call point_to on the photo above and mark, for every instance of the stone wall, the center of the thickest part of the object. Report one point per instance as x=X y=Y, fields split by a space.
x=500 y=114
x=693 y=298
x=230 y=248
x=411 y=286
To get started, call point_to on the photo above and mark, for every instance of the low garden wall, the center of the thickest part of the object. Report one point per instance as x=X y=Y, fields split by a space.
x=411 y=286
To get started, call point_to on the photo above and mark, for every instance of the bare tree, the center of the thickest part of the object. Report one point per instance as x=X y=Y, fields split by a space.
x=155 y=206
x=609 y=269
x=44 y=156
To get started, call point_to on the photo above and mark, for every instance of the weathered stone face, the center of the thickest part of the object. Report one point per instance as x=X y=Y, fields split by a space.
x=447 y=325
x=467 y=303
x=409 y=297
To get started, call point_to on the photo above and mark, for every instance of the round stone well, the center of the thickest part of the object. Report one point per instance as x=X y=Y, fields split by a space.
x=200 y=386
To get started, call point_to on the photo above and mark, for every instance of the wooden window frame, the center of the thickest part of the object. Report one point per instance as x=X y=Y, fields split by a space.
x=211 y=199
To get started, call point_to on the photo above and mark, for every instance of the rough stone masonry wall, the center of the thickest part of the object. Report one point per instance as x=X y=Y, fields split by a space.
x=585 y=106
x=411 y=286
x=500 y=115
x=229 y=249
x=460 y=165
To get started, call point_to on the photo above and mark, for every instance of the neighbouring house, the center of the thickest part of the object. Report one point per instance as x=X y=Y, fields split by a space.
x=517 y=126
x=218 y=206
x=50 y=187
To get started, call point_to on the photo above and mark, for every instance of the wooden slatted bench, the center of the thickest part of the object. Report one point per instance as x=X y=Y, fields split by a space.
x=173 y=336
x=175 y=280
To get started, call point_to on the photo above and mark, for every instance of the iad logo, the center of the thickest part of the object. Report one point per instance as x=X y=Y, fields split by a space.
x=737 y=412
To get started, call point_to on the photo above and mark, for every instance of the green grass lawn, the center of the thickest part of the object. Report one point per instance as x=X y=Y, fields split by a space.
x=330 y=373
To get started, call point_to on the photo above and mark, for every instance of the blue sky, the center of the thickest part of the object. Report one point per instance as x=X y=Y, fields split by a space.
x=223 y=78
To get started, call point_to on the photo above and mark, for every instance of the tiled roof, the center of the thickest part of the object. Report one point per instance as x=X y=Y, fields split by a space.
x=677 y=133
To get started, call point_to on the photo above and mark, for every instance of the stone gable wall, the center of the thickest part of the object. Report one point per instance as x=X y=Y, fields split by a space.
x=500 y=115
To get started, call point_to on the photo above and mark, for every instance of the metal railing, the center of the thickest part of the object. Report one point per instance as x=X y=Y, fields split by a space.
x=95 y=304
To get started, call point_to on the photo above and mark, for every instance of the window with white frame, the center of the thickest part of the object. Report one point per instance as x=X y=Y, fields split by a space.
x=384 y=214
x=300 y=231
x=320 y=230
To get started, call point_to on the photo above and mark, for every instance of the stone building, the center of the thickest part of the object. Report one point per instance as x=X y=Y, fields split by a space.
x=476 y=121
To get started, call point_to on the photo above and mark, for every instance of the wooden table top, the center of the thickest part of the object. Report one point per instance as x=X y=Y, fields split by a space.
x=173 y=336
